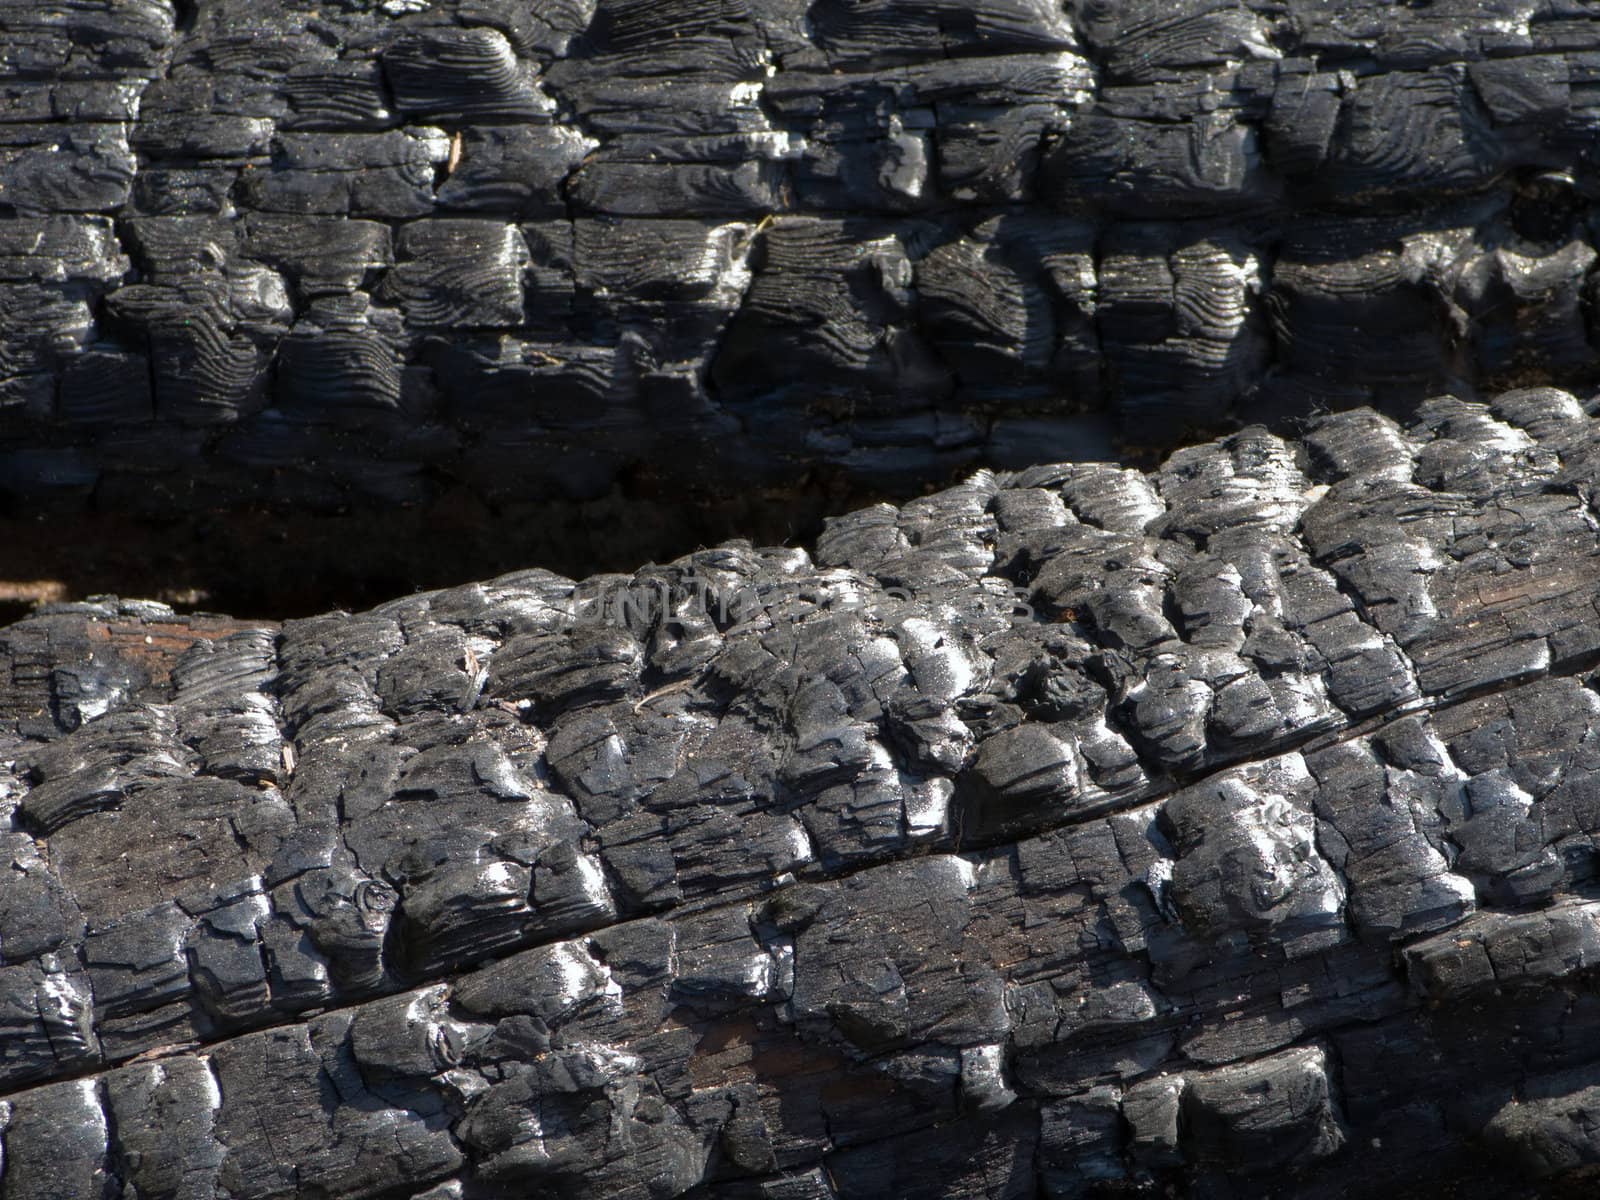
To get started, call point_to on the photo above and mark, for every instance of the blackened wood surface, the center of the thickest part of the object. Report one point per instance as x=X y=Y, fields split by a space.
x=1225 y=831
x=366 y=254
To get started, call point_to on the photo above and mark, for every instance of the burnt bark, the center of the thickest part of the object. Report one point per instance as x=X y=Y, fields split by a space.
x=1228 y=830
x=579 y=265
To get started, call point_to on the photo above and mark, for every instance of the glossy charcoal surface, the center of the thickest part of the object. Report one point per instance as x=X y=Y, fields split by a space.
x=1223 y=831
x=359 y=255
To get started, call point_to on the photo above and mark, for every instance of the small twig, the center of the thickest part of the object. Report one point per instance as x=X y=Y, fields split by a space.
x=681 y=685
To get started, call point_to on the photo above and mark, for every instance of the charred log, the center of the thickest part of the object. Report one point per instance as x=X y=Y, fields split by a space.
x=741 y=260
x=1224 y=830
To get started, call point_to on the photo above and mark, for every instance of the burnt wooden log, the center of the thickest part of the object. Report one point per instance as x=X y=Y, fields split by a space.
x=1227 y=830
x=357 y=255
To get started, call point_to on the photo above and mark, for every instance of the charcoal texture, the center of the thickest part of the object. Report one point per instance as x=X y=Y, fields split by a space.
x=360 y=254
x=1227 y=830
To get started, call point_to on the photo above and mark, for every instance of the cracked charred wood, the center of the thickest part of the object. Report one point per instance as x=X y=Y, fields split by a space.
x=1227 y=830
x=359 y=254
